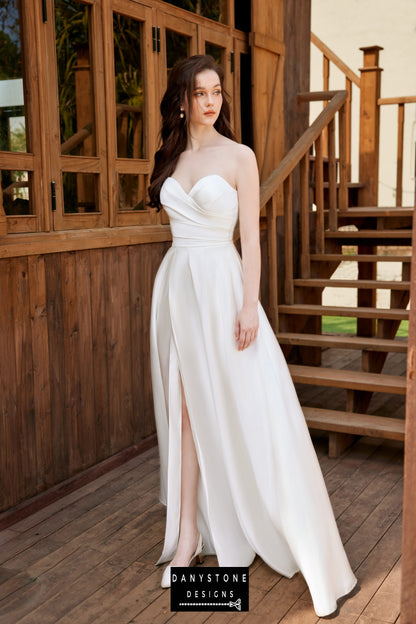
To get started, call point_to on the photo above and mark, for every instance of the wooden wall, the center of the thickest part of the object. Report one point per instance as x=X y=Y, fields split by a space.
x=267 y=62
x=75 y=382
x=297 y=35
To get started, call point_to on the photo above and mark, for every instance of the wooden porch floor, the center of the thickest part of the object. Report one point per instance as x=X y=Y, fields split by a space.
x=89 y=557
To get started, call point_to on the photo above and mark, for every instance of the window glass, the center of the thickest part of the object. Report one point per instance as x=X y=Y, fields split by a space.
x=132 y=191
x=129 y=87
x=75 y=80
x=215 y=51
x=177 y=48
x=213 y=9
x=15 y=189
x=12 y=106
x=80 y=192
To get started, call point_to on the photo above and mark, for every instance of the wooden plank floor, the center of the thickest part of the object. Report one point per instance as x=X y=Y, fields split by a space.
x=89 y=558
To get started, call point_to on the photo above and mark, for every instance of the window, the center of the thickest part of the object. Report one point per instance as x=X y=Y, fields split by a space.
x=80 y=87
x=213 y=9
x=18 y=108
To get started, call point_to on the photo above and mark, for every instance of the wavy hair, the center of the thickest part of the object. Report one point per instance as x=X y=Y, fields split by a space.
x=174 y=131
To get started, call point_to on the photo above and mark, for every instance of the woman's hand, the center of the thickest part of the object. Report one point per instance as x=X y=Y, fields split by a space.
x=246 y=326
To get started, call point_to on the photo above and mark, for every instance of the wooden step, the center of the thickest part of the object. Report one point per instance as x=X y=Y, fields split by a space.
x=344 y=283
x=319 y=310
x=373 y=237
x=358 y=258
x=377 y=211
x=357 y=424
x=337 y=341
x=350 y=185
x=351 y=380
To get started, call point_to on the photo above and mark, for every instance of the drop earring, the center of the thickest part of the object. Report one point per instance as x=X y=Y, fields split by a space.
x=182 y=114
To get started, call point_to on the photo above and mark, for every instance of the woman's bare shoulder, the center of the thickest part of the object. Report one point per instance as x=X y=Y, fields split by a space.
x=240 y=152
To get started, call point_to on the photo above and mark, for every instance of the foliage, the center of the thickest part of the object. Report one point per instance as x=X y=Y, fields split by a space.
x=348 y=325
x=18 y=138
x=207 y=8
x=71 y=24
x=11 y=58
x=10 y=50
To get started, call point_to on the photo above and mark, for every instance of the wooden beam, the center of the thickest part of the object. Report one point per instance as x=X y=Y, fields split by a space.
x=267 y=43
x=45 y=243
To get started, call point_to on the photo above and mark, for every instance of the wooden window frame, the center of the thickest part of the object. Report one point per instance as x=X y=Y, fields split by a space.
x=59 y=163
x=31 y=160
x=45 y=161
x=133 y=166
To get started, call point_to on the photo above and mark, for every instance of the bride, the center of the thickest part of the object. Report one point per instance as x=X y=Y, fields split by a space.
x=239 y=474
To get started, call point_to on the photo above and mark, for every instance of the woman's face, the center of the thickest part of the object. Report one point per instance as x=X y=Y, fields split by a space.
x=206 y=98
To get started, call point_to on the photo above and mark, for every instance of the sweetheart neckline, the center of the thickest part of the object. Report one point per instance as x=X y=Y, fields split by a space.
x=209 y=175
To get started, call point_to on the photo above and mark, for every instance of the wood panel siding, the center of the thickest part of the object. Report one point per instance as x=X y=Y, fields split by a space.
x=74 y=362
x=267 y=53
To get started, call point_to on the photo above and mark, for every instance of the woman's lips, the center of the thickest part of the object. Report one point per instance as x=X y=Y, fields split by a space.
x=210 y=113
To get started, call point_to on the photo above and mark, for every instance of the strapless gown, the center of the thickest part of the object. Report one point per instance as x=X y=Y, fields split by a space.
x=261 y=488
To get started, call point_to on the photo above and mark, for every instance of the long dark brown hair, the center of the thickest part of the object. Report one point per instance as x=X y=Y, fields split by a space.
x=181 y=83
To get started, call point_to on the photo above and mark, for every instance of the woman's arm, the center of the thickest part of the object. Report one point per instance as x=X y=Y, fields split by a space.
x=247 y=180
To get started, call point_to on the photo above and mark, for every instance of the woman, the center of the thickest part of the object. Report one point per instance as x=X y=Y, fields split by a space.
x=239 y=472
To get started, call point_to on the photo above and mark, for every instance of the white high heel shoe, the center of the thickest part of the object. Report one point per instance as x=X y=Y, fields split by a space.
x=196 y=556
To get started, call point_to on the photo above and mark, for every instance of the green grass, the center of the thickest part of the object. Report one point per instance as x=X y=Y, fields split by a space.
x=346 y=325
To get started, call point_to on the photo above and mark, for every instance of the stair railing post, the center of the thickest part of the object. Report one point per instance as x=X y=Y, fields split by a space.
x=272 y=257
x=348 y=87
x=343 y=160
x=319 y=197
x=399 y=169
x=368 y=171
x=288 y=218
x=332 y=178
x=369 y=126
x=305 y=260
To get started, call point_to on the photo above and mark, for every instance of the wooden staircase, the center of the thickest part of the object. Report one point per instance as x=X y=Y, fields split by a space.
x=333 y=228
x=359 y=386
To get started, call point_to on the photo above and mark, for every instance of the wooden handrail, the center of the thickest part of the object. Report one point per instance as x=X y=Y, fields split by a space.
x=400 y=103
x=331 y=56
x=273 y=196
x=301 y=147
x=83 y=134
x=316 y=96
x=76 y=139
x=405 y=99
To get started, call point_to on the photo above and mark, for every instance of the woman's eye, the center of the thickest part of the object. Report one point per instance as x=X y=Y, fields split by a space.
x=198 y=93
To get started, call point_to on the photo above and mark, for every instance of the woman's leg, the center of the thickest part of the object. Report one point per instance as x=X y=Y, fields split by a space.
x=188 y=531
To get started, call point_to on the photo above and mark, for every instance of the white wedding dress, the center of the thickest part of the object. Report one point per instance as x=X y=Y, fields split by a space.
x=261 y=488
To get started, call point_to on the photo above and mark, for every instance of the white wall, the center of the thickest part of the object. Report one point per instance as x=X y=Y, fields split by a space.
x=347 y=25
